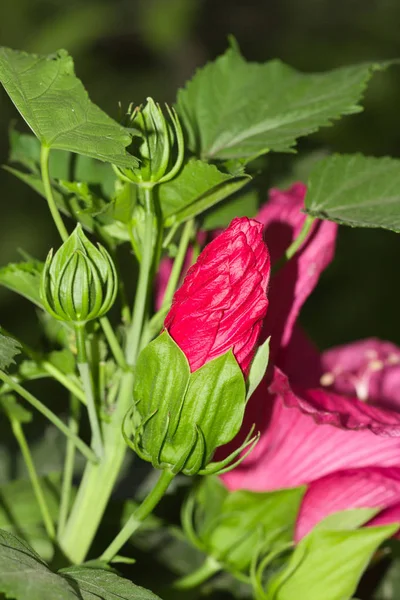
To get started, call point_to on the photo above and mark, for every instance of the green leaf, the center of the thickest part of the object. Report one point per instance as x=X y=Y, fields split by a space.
x=24 y=279
x=57 y=108
x=238 y=109
x=241 y=205
x=328 y=564
x=8 y=349
x=231 y=526
x=100 y=584
x=13 y=410
x=20 y=513
x=68 y=206
x=197 y=187
x=356 y=190
x=25 y=576
x=258 y=368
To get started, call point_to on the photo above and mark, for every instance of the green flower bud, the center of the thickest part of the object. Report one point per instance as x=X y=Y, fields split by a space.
x=180 y=418
x=79 y=283
x=158 y=137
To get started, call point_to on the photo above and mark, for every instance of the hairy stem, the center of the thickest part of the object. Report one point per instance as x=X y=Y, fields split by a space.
x=68 y=472
x=87 y=382
x=46 y=412
x=140 y=514
x=178 y=263
x=44 y=166
x=113 y=343
x=209 y=568
x=296 y=244
x=135 y=330
x=98 y=482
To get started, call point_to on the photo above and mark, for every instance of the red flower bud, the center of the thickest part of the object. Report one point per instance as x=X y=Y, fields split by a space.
x=222 y=301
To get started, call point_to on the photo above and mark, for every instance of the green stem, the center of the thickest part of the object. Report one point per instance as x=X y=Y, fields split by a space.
x=49 y=368
x=135 y=330
x=64 y=380
x=33 y=476
x=87 y=382
x=98 y=482
x=140 y=514
x=68 y=473
x=44 y=166
x=46 y=412
x=113 y=343
x=296 y=244
x=209 y=568
x=178 y=263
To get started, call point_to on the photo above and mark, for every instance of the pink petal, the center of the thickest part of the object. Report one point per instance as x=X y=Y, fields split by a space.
x=290 y=287
x=370 y=487
x=342 y=411
x=301 y=361
x=223 y=299
x=294 y=449
x=368 y=369
x=387 y=517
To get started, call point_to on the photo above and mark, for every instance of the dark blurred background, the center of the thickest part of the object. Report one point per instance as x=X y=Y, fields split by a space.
x=125 y=50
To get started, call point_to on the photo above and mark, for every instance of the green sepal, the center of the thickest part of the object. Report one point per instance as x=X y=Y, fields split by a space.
x=158 y=136
x=79 y=283
x=231 y=526
x=180 y=418
x=258 y=368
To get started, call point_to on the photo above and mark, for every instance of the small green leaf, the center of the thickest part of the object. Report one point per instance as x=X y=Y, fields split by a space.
x=328 y=563
x=67 y=205
x=238 y=109
x=258 y=368
x=356 y=190
x=197 y=187
x=8 y=349
x=23 y=574
x=24 y=279
x=20 y=513
x=232 y=526
x=100 y=584
x=56 y=106
x=13 y=410
x=241 y=205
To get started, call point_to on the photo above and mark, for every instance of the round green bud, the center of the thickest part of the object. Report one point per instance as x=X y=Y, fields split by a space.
x=79 y=282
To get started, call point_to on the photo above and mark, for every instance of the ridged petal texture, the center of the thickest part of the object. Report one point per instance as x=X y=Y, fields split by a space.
x=223 y=299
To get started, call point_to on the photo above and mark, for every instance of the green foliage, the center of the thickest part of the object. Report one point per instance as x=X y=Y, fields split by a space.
x=20 y=564
x=9 y=348
x=20 y=513
x=330 y=560
x=25 y=576
x=24 y=279
x=57 y=108
x=356 y=190
x=198 y=187
x=233 y=526
x=237 y=109
x=95 y=584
